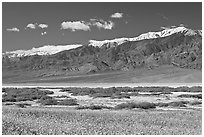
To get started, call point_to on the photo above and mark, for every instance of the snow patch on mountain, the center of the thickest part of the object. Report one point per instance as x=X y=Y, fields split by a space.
x=45 y=50
x=149 y=35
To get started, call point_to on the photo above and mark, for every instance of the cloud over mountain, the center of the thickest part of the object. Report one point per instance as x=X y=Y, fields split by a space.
x=117 y=15
x=75 y=25
x=13 y=29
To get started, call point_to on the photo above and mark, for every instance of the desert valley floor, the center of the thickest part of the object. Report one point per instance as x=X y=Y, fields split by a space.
x=102 y=111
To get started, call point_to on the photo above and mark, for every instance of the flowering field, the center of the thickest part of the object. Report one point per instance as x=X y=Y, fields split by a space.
x=59 y=121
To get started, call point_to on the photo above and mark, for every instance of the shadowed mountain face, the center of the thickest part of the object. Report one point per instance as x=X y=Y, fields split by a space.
x=178 y=49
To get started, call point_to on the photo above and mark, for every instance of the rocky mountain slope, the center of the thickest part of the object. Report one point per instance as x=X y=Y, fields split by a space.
x=178 y=46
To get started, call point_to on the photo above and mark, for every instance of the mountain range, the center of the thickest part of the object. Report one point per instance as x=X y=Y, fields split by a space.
x=176 y=46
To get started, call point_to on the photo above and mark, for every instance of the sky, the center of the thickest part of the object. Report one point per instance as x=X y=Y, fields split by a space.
x=28 y=25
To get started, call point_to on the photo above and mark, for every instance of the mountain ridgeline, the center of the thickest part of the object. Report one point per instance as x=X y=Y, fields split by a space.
x=178 y=49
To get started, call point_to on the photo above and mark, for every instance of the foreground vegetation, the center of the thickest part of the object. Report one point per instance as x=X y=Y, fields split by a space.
x=102 y=111
x=59 y=121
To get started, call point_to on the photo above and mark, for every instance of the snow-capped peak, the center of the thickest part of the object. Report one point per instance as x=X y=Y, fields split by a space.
x=118 y=41
x=45 y=50
x=149 y=35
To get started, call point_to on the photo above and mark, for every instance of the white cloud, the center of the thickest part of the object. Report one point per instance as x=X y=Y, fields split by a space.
x=42 y=26
x=43 y=33
x=31 y=25
x=75 y=25
x=13 y=29
x=117 y=15
x=104 y=25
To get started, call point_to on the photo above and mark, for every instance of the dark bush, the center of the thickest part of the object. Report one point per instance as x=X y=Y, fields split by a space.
x=7 y=104
x=133 y=94
x=101 y=95
x=64 y=90
x=47 y=92
x=48 y=102
x=199 y=96
x=22 y=105
x=119 y=96
x=173 y=104
x=45 y=98
x=8 y=99
x=166 y=92
x=146 y=105
x=195 y=103
x=68 y=102
x=62 y=96
x=18 y=99
x=94 y=107
x=131 y=105
x=23 y=94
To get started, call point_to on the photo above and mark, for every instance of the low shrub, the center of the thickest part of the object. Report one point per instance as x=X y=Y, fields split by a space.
x=45 y=98
x=18 y=99
x=8 y=99
x=68 y=102
x=131 y=105
x=50 y=101
x=166 y=92
x=119 y=96
x=23 y=94
x=101 y=95
x=94 y=107
x=199 y=96
x=195 y=103
x=133 y=94
x=22 y=105
x=64 y=90
x=62 y=96
x=8 y=104
x=173 y=104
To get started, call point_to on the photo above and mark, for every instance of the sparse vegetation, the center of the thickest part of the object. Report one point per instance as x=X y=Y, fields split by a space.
x=124 y=92
x=60 y=121
x=82 y=119
x=23 y=94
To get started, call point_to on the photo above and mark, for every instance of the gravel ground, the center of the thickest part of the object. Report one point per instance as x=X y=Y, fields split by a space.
x=59 y=121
